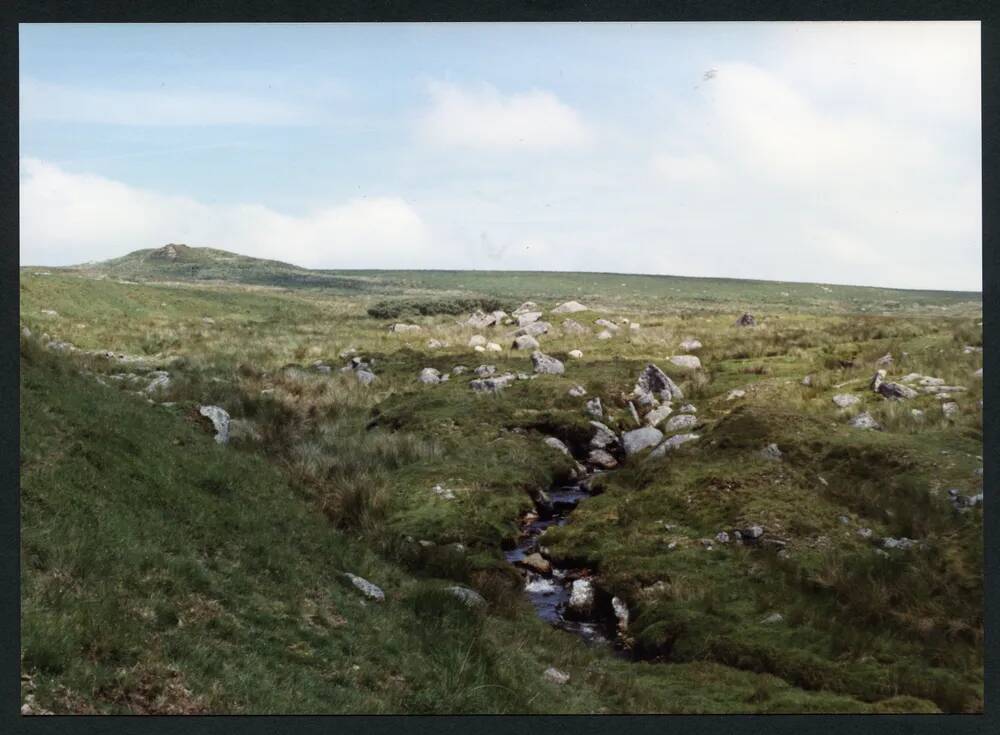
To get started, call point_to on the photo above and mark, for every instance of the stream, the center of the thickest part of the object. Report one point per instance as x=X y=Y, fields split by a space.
x=549 y=593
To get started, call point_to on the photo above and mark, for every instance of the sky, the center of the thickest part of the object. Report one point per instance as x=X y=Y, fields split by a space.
x=826 y=152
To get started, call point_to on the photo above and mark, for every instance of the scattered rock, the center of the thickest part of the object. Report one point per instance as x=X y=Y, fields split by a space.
x=977 y=374
x=493 y=347
x=220 y=420
x=430 y=375
x=864 y=421
x=917 y=414
x=477 y=340
x=654 y=383
x=689 y=408
x=26 y=333
x=537 y=563
x=526 y=318
x=902 y=544
x=688 y=362
x=575 y=354
x=369 y=590
x=969 y=350
x=845 y=399
x=735 y=393
x=771 y=452
x=950 y=409
x=601 y=458
x=525 y=342
x=435 y=344
x=485 y=371
x=658 y=415
x=638 y=439
x=807 y=380
x=542 y=363
x=470 y=597
x=577 y=391
x=772 y=619
x=752 y=533
x=620 y=610
x=896 y=391
x=480 y=320
x=680 y=422
x=608 y=325
x=569 y=307
x=634 y=413
x=534 y=329
x=459 y=370
x=603 y=436
x=672 y=443
x=405 y=328
x=594 y=407
x=604 y=334
x=747 y=320
x=443 y=492
x=571 y=326
x=50 y=312
x=556 y=676
x=524 y=308
x=690 y=345
x=365 y=377
x=160 y=382
x=877 y=379
x=557 y=444
x=722 y=537
x=493 y=384
x=884 y=361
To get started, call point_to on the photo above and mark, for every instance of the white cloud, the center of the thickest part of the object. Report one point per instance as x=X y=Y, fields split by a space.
x=482 y=117
x=685 y=169
x=69 y=217
x=41 y=100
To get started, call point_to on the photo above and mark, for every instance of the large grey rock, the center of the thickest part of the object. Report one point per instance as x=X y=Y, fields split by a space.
x=480 y=320
x=571 y=326
x=525 y=342
x=369 y=590
x=542 y=363
x=569 y=307
x=654 y=382
x=528 y=317
x=220 y=420
x=658 y=415
x=680 y=422
x=864 y=421
x=638 y=439
x=845 y=399
x=672 y=443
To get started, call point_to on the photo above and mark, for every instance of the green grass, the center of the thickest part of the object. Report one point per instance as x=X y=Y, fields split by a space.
x=165 y=573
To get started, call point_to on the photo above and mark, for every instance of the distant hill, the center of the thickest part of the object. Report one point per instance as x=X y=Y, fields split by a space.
x=178 y=262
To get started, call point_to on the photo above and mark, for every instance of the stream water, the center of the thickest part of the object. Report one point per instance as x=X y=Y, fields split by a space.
x=549 y=593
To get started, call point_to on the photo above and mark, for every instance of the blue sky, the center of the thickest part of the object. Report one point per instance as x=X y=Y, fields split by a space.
x=843 y=153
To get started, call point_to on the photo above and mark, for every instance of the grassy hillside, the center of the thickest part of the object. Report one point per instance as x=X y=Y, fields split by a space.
x=609 y=290
x=127 y=498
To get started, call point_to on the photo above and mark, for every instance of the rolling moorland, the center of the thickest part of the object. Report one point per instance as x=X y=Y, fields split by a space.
x=248 y=487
